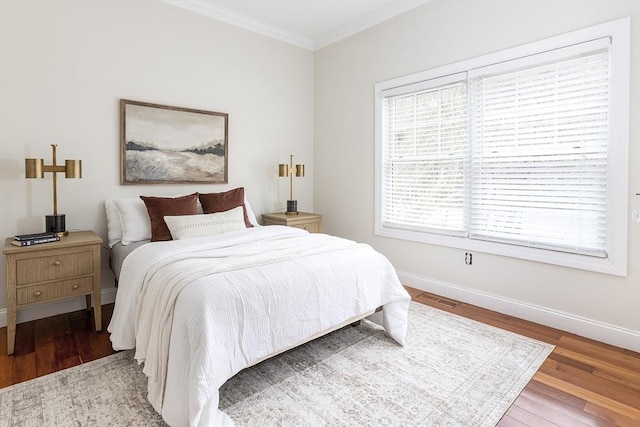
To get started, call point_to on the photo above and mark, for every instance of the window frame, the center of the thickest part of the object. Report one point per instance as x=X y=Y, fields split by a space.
x=617 y=163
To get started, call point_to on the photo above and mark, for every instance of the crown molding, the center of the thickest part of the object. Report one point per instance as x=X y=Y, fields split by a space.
x=202 y=7
x=374 y=18
x=205 y=8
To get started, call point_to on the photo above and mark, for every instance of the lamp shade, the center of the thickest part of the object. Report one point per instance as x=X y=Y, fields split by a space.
x=283 y=170
x=300 y=170
x=34 y=168
x=73 y=168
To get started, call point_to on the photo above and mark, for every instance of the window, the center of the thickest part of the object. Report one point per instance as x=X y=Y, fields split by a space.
x=521 y=153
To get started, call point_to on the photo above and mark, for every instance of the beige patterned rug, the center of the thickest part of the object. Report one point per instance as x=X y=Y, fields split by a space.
x=452 y=372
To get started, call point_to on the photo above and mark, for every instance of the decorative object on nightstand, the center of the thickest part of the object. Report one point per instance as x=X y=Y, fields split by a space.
x=307 y=221
x=55 y=271
x=290 y=171
x=35 y=168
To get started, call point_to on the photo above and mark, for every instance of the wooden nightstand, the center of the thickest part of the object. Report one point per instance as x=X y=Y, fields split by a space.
x=307 y=221
x=50 y=272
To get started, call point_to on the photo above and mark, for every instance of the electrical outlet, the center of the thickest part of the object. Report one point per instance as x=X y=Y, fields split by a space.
x=635 y=214
x=468 y=258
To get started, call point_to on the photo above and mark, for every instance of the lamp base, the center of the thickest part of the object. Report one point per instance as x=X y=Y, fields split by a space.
x=292 y=207
x=56 y=224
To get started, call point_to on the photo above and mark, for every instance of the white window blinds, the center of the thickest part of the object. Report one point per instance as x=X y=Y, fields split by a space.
x=539 y=156
x=426 y=150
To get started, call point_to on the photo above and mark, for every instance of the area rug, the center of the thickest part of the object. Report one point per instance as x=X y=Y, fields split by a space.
x=452 y=372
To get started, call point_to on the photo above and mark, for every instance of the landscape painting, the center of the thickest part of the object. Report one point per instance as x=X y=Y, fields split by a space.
x=171 y=145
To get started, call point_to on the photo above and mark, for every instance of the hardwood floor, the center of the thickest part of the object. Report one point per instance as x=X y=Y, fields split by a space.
x=48 y=345
x=582 y=383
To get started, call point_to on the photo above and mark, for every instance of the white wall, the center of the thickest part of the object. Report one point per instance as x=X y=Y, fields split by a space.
x=64 y=65
x=438 y=33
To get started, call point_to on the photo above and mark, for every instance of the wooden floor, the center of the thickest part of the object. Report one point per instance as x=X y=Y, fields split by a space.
x=582 y=383
x=48 y=345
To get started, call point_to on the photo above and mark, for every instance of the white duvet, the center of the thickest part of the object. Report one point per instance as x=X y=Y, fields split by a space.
x=200 y=310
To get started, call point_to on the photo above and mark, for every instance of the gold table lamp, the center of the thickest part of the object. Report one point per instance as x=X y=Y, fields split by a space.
x=289 y=170
x=35 y=168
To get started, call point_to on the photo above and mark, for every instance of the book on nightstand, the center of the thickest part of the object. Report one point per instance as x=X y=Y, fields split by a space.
x=34 y=239
x=33 y=236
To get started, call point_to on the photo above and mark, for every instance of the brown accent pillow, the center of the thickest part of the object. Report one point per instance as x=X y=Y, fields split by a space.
x=220 y=202
x=159 y=207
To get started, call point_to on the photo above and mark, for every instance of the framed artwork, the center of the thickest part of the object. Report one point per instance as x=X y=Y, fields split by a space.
x=172 y=145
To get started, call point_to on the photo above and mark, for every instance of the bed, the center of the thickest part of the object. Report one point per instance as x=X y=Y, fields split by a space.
x=199 y=309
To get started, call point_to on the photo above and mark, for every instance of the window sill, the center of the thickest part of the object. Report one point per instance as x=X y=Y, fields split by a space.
x=583 y=262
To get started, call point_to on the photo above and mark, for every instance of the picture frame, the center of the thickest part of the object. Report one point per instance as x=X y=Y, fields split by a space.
x=160 y=144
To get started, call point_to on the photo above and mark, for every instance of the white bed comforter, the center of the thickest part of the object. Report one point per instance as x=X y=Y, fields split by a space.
x=200 y=310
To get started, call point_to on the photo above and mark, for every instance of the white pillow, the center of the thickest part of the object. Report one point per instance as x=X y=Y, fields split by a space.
x=187 y=226
x=134 y=218
x=114 y=225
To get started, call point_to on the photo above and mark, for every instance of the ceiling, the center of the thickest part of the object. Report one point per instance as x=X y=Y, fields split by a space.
x=311 y=24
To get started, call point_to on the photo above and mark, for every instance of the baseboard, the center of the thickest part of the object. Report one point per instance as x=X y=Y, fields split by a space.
x=45 y=310
x=599 y=331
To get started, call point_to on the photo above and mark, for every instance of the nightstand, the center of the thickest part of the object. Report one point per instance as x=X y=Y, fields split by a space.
x=307 y=221
x=52 y=271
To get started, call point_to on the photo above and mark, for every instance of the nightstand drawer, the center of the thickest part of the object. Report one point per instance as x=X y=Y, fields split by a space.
x=44 y=268
x=52 y=291
x=312 y=227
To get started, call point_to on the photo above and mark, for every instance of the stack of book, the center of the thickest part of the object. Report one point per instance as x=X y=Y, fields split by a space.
x=34 y=239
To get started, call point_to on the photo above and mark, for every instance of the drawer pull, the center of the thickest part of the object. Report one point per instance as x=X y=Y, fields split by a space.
x=76 y=286
x=56 y=262
x=37 y=293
